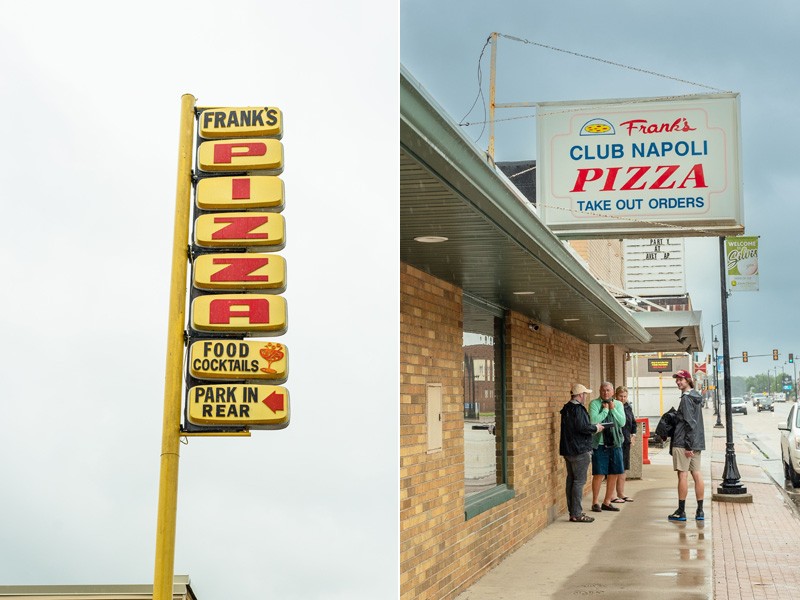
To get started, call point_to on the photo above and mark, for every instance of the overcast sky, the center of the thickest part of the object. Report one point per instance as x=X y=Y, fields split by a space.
x=725 y=46
x=90 y=95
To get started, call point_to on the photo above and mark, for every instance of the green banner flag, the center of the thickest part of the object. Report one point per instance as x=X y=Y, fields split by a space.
x=741 y=254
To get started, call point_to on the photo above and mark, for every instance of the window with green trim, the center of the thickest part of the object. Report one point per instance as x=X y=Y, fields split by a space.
x=484 y=404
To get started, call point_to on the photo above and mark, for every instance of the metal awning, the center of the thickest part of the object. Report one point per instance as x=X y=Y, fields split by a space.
x=671 y=331
x=497 y=248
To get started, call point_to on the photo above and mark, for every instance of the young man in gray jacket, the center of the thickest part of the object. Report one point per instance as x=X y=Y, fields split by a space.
x=686 y=444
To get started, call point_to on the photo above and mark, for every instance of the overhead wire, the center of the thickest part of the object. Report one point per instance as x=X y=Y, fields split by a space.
x=480 y=92
x=480 y=95
x=462 y=123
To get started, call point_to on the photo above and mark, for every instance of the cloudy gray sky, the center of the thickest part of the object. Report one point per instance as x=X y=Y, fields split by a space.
x=90 y=96
x=725 y=46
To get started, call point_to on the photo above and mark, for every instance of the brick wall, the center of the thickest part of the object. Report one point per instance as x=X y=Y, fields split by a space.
x=440 y=552
x=605 y=259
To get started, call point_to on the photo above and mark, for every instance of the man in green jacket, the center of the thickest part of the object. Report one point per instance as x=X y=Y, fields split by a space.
x=606 y=446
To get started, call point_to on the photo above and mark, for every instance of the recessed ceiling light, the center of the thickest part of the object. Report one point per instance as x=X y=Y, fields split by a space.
x=524 y=293
x=600 y=335
x=572 y=319
x=430 y=239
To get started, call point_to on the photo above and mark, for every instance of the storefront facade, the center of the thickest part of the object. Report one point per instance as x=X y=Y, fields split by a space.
x=497 y=318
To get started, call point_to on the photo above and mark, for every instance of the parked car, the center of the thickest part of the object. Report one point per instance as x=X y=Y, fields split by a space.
x=738 y=405
x=766 y=404
x=790 y=445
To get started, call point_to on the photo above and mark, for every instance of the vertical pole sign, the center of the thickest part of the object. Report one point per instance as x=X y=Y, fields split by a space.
x=232 y=383
x=237 y=276
x=170 y=434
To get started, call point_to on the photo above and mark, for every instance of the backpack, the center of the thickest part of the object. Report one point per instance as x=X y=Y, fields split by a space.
x=666 y=424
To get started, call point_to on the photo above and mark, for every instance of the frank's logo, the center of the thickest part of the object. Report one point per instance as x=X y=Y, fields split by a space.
x=248 y=121
x=681 y=124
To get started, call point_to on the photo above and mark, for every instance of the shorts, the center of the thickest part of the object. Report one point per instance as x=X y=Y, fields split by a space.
x=607 y=460
x=626 y=456
x=681 y=463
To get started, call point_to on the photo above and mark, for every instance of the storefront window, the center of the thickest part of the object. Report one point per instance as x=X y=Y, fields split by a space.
x=484 y=447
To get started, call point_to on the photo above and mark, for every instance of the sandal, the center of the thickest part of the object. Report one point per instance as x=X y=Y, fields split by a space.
x=620 y=500
x=582 y=518
x=626 y=499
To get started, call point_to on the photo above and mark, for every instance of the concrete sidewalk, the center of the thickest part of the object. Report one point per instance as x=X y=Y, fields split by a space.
x=740 y=551
x=754 y=545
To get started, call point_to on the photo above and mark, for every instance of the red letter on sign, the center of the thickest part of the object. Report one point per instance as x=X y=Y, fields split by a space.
x=240 y=228
x=256 y=310
x=584 y=176
x=240 y=189
x=224 y=153
x=240 y=269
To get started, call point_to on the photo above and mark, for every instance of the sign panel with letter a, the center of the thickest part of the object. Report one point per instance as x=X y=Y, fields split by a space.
x=245 y=314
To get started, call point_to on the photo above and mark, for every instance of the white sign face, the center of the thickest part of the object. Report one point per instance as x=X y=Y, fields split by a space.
x=655 y=267
x=639 y=168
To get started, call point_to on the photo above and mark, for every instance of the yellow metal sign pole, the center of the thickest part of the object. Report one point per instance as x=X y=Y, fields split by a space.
x=170 y=436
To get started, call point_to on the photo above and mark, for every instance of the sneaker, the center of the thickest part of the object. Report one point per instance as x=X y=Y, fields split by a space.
x=678 y=515
x=595 y=508
x=699 y=516
x=609 y=507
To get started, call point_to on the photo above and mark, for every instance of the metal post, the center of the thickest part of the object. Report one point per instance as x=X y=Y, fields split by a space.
x=716 y=383
x=170 y=434
x=492 y=73
x=718 y=424
x=730 y=473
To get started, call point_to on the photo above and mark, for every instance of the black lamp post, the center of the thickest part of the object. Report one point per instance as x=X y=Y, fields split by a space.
x=731 y=480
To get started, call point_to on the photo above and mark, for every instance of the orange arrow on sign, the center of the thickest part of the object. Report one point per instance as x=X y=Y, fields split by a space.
x=275 y=402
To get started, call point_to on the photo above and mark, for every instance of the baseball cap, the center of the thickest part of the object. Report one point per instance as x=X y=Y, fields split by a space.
x=577 y=388
x=683 y=374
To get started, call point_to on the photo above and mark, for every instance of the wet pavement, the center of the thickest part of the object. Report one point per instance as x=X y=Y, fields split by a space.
x=755 y=545
x=740 y=551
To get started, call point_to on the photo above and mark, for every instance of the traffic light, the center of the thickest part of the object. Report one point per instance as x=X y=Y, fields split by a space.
x=791 y=357
x=744 y=356
x=774 y=355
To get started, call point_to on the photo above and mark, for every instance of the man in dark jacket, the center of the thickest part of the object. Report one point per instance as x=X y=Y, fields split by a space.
x=687 y=442
x=575 y=446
